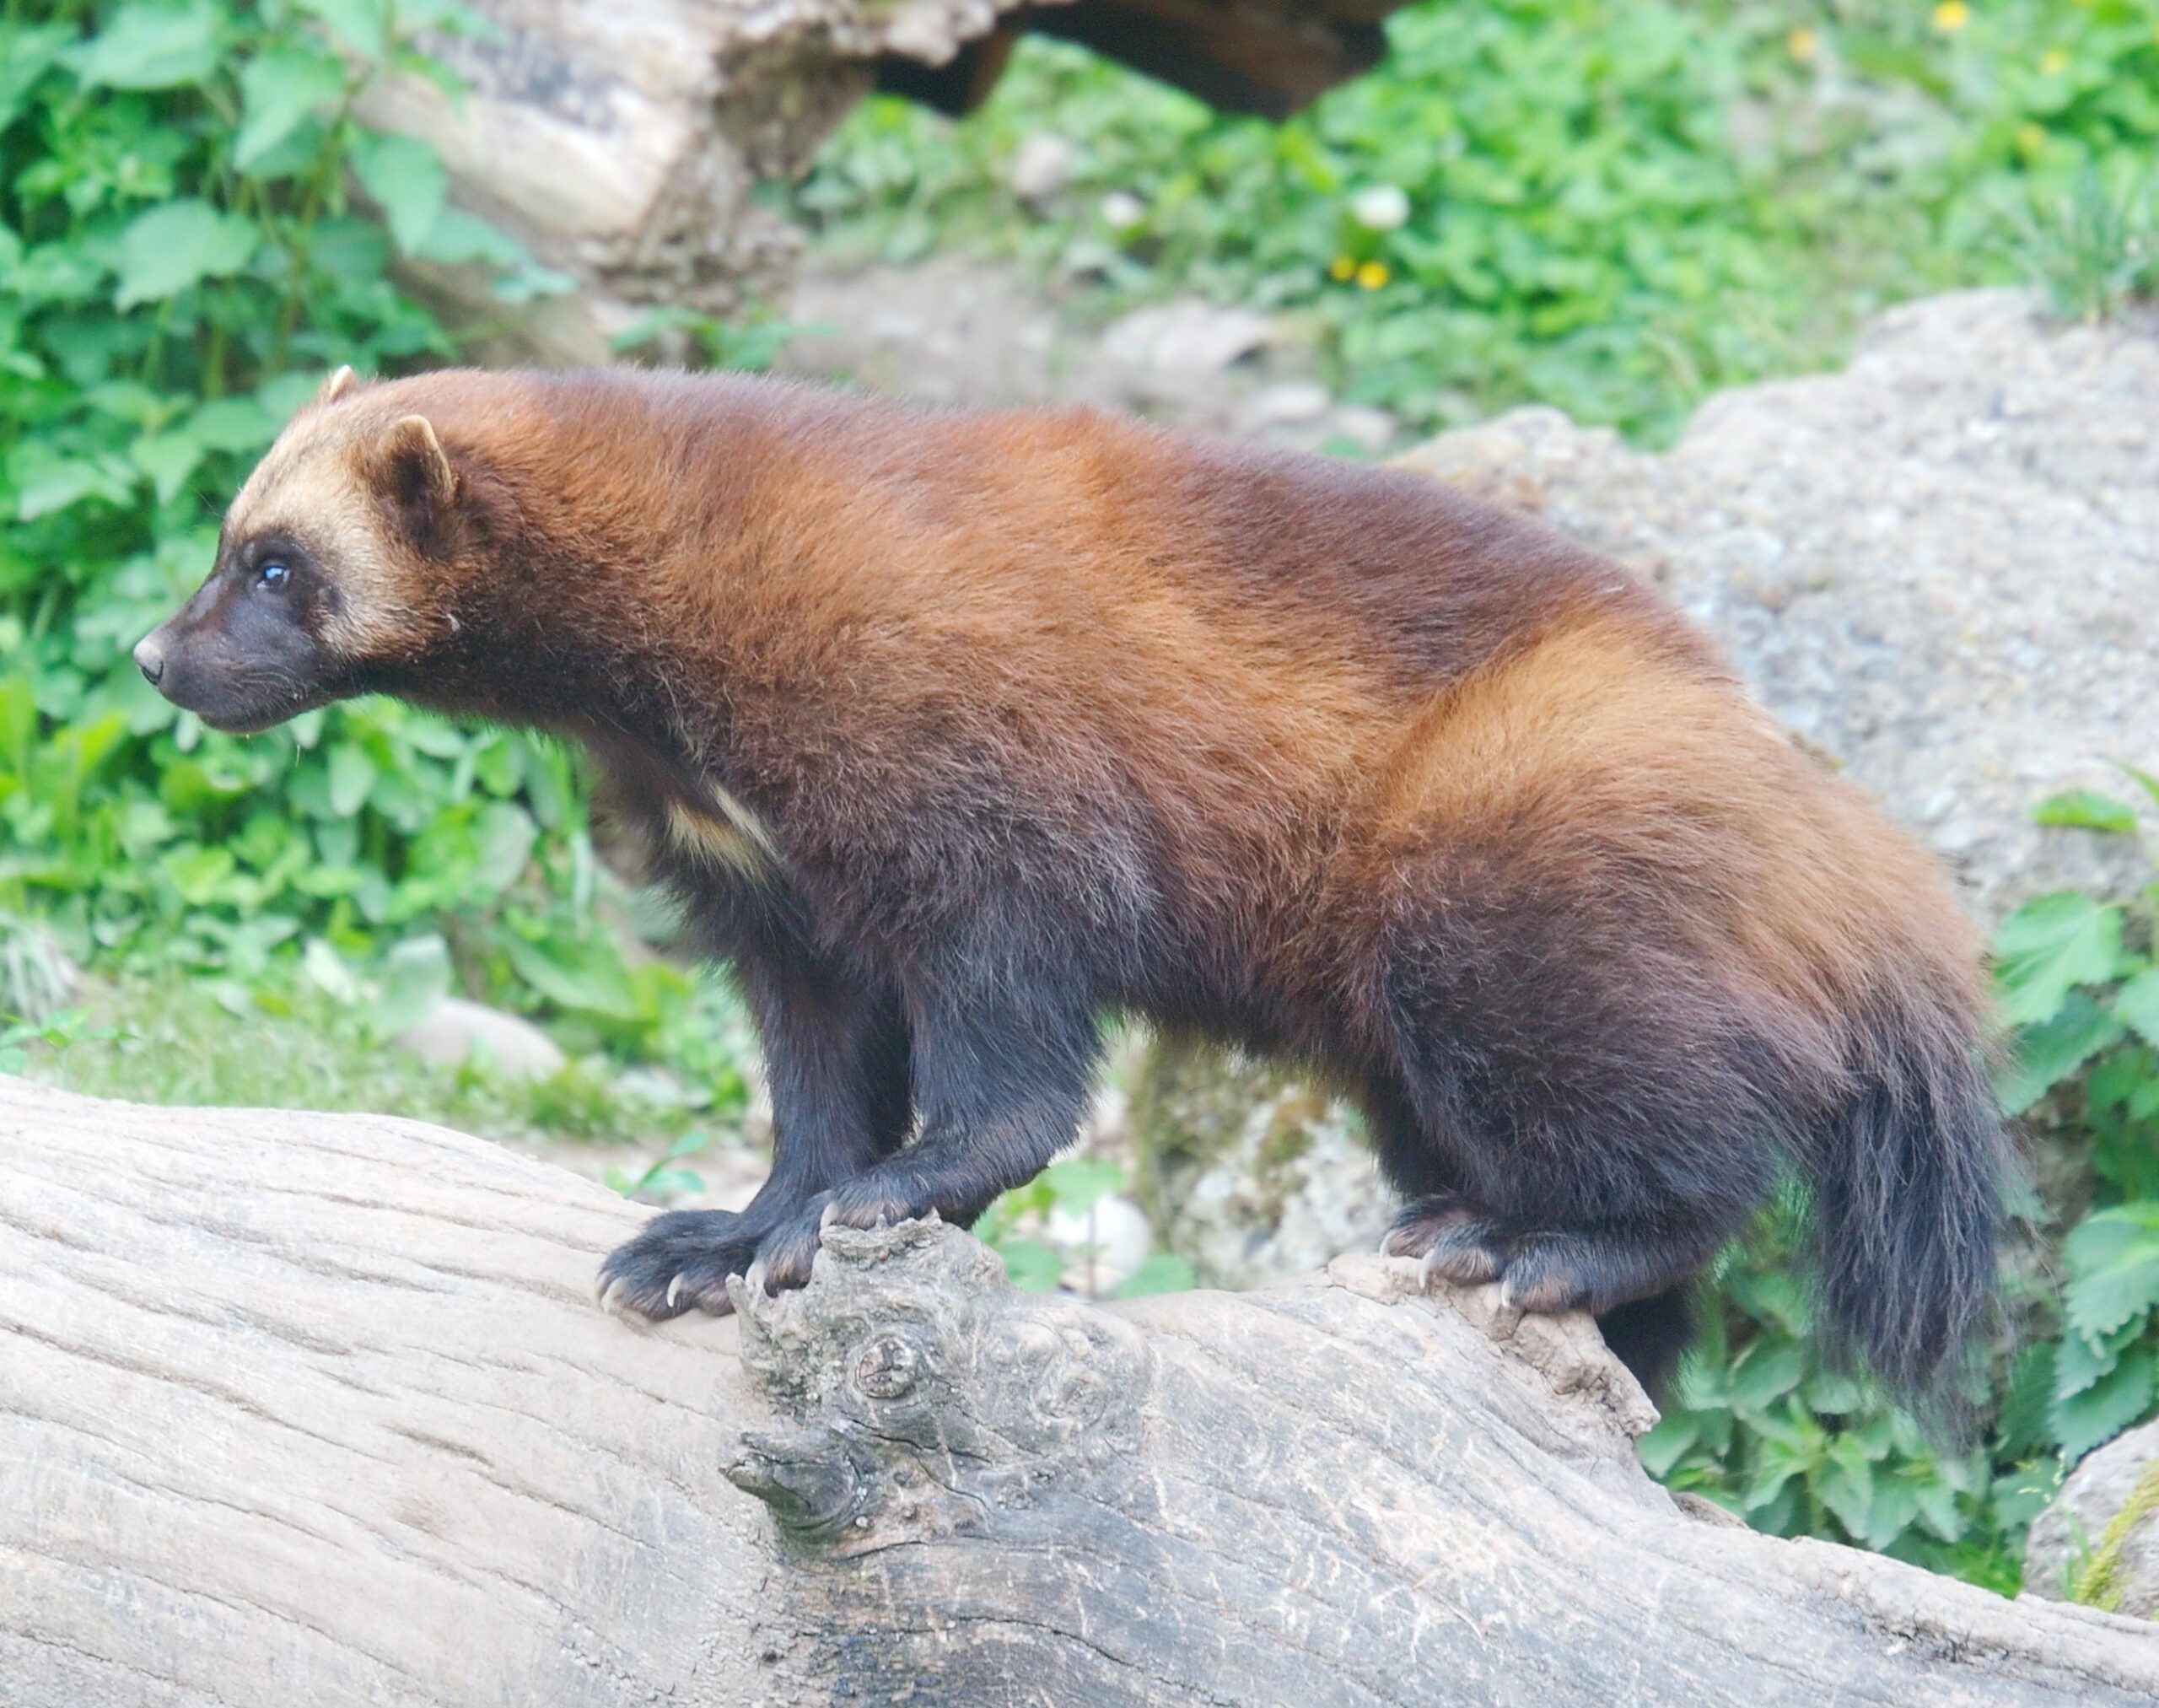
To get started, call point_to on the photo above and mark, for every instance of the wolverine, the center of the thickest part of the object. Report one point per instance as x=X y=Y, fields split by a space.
x=956 y=734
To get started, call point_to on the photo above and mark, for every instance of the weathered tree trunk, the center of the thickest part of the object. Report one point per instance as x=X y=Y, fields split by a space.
x=316 y=1409
x=621 y=142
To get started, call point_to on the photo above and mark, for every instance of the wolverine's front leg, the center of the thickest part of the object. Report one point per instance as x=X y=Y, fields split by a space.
x=835 y=1060
x=1003 y=1062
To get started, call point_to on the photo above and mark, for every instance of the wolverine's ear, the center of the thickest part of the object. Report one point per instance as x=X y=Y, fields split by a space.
x=337 y=386
x=416 y=477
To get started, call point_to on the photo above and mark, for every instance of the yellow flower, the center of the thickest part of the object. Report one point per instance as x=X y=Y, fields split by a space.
x=1952 y=16
x=1802 y=44
x=2053 y=61
x=1344 y=268
x=2030 y=138
x=1372 y=275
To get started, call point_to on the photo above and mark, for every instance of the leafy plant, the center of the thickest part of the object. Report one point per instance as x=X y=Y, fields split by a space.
x=2092 y=247
x=1613 y=209
x=663 y=1179
x=54 y=1032
x=1796 y=1446
x=1021 y=1228
x=194 y=227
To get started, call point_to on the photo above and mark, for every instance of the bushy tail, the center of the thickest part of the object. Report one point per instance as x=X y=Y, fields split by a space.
x=1907 y=1184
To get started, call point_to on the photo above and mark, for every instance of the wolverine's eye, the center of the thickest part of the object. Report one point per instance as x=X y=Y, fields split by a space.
x=272 y=576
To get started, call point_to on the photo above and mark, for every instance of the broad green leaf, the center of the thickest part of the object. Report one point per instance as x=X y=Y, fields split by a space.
x=2088 y=1419
x=1032 y=1265
x=2048 y=947
x=504 y=834
x=27 y=52
x=2086 y=809
x=416 y=975
x=1937 y=1502
x=2076 y=1363
x=1161 y=1272
x=233 y=423
x=581 y=973
x=352 y=776
x=459 y=238
x=363 y=24
x=168 y=459
x=1660 y=1449
x=278 y=90
x=150 y=44
x=406 y=178
x=1766 y=1370
x=2112 y=1259
x=1775 y=1465
x=196 y=872
x=327 y=969
x=169 y=248
x=1079 y=1182
x=1845 y=1482
x=2043 y=1055
x=46 y=481
x=2137 y=1002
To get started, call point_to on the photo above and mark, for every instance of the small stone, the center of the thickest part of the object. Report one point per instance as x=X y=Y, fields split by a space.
x=1363 y=426
x=1288 y=404
x=457 y=1029
x=2099 y=1541
x=1041 y=166
x=1108 y=1242
x=1189 y=334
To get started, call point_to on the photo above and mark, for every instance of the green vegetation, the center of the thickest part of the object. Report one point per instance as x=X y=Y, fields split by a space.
x=194 y=230
x=1615 y=208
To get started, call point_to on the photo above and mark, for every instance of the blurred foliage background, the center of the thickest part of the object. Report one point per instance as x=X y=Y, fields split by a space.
x=1612 y=207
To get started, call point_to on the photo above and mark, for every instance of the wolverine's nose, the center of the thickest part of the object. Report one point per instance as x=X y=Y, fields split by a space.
x=150 y=657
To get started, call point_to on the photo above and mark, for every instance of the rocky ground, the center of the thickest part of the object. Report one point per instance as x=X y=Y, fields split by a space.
x=955 y=331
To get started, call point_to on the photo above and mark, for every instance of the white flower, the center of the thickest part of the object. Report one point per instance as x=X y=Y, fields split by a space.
x=1382 y=207
x=1121 y=210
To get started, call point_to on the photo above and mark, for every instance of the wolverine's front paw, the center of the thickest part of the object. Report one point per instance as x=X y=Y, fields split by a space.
x=1457 y=1243
x=680 y=1261
x=785 y=1257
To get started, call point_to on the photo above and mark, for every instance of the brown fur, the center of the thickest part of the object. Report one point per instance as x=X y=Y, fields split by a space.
x=952 y=730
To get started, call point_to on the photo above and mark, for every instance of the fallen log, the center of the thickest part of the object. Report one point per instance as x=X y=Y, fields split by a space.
x=309 y=1407
x=621 y=144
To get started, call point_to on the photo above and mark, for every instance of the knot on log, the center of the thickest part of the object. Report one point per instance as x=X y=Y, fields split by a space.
x=922 y=1392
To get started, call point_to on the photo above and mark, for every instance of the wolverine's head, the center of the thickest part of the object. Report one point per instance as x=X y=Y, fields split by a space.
x=335 y=572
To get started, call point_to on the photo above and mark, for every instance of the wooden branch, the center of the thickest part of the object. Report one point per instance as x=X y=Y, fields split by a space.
x=621 y=144
x=305 y=1408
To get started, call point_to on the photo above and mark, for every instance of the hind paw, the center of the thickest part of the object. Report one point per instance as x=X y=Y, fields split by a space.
x=1456 y=1242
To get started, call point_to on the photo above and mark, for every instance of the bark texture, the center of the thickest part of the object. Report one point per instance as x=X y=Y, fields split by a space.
x=303 y=1408
x=621 y=143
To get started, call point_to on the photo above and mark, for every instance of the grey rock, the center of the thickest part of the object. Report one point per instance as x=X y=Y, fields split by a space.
x=2099 y=1541
x=1249 y=1174
x=457 y=1029
x=1188 y=335
x=1940 y=567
